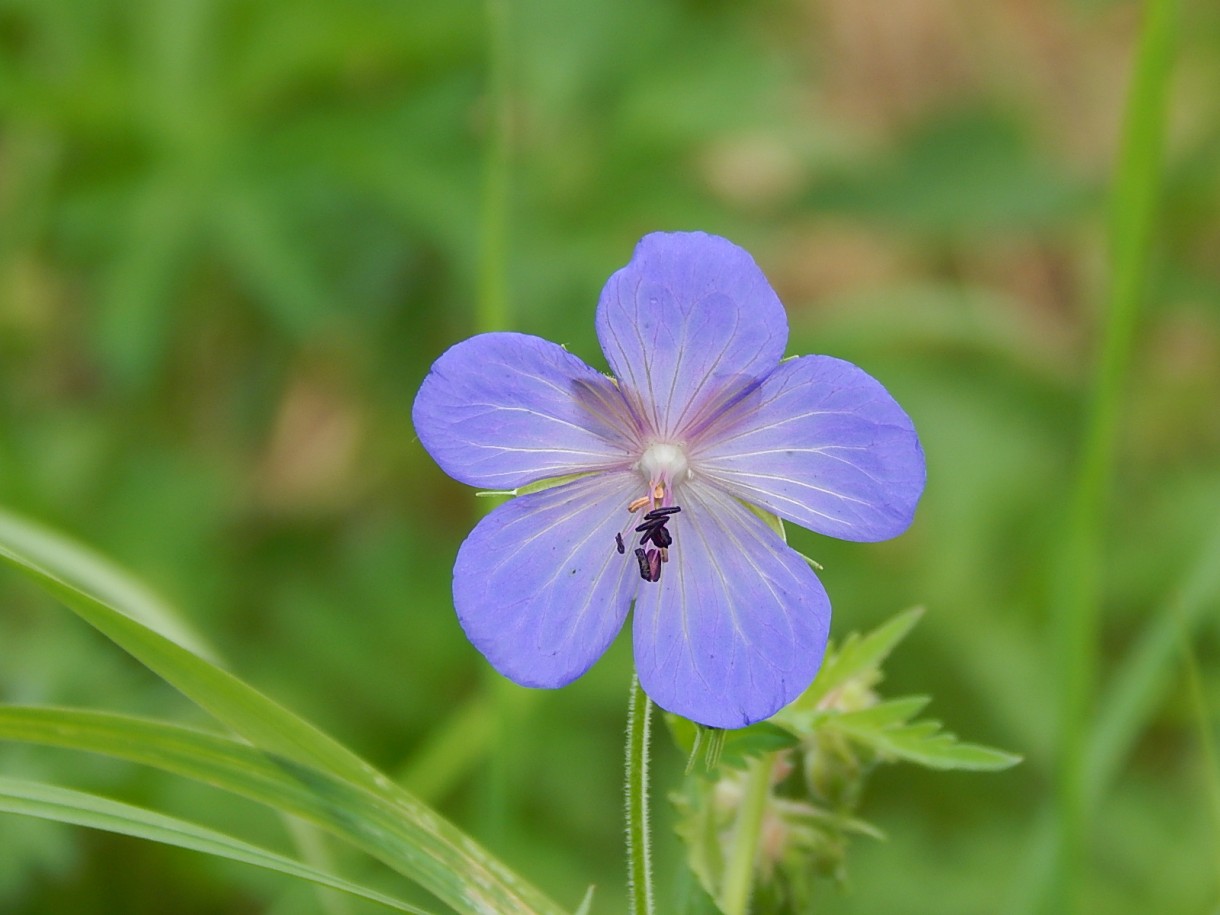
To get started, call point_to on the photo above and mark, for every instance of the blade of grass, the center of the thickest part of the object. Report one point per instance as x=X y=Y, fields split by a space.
x=1139 y=686
x=1143 y=679
x=88 y=570
x=1207 y=743
x=66 y=805
x=430 y=850
x=221 y=762
x=451 y=753
x=78 y=565
x=1076 y=570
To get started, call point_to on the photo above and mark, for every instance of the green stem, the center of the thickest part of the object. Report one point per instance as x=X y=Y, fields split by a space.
x=639 y=858
x=493 y=311
x=492 y=314
x=1207 y=741
x=742 y=865
x=1077 y=582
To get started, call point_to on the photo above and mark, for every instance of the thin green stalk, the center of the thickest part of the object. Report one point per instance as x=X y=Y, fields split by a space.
x=639 y=850
x=1143 y=680
x=1077 y=581
x=492 y=314
x=456 y=746
x=493 y=311
x=743 y=860
x=1140 y=685
x=1207 y=742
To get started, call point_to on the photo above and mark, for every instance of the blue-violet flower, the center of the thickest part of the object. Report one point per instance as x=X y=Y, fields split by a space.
x=657 y=473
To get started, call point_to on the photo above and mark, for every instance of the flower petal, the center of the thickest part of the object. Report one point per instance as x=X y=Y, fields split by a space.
x=737 y=625
x=823 y=444
x=688 y=325
x=539 y=586
x=502 y=410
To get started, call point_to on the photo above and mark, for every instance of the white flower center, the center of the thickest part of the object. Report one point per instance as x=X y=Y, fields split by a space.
x=663 y=462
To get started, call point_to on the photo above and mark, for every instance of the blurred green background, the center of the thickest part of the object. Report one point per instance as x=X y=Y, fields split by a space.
x=233 y=237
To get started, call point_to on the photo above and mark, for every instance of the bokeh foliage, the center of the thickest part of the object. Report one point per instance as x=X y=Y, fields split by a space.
x=233 y=236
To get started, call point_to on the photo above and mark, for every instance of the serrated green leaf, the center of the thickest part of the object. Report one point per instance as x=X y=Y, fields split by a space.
x=426 y=848
x=66 y=805
x=699 y=828
x=880 y=716
x=925 y=744
x=860 y=656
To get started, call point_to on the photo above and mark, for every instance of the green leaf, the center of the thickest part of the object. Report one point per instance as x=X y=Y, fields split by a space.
x=425 y=847
x=884 y=727
x=78 y=565
x=860 y=656
x=922 y=742
x=882 y=715
x=217 y=760
x=65 y=805
x=700 y=825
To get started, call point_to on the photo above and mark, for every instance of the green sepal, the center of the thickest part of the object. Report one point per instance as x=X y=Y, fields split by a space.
x=732 y=748
x=775 y=522
x=536 y=486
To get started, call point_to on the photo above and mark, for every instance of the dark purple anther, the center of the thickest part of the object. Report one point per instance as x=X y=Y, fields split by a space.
x=662 y=537
x=662 y=512
x=654 y=564
x=653 y=530
x=645 y=565
x=618 y=543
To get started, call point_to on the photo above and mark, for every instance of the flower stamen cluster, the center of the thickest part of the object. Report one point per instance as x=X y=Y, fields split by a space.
x=654 y=529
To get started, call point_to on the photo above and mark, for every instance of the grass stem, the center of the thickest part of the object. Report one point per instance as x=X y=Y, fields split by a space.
x=1076 y=598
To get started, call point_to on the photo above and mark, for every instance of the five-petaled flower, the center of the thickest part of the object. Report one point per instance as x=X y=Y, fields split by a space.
x=659 y=474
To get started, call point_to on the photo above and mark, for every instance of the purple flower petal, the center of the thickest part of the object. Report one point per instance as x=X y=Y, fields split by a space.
x=737 y=625
x=502 y=410
x=822 y=444
x=539 y=585
x=688 y=325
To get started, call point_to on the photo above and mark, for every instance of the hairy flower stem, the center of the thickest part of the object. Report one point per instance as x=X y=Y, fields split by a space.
x=639 y=852
x=743 y=860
